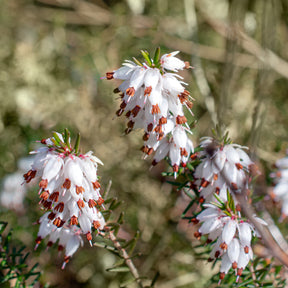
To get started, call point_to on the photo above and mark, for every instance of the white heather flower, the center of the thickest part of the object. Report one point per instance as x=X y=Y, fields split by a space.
x=153 y=100
x=70 y=191
x=223 y=166
x=231 y=234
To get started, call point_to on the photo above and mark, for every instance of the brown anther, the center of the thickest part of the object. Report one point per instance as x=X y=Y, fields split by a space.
x=239 y=166
x=158 y=129
x=183 y=98
x=222 y=275
x=193 y=156
x=253 y=169
x=54 y=196
x=234 y=265
x=57 y=222
x=175 y=168
x=155 y=109
x=146 y=136
x=122 y=95
x=43 y=141
x=147 y=90
x=109 y=75
x=43 y=183
x=66 y=259
x=130 y=124
x=80 y=203
x=136 y=110
x=246 y=249
x=130 y=91
x=194 y=220
x=187 y=65
x=116 y=90
x=150 y=127
x=223 y=246
x=47 y=204
x=96 y=224
x=79 y=190
x=51 y=216
x=215 y=176
x=154 y=162
x=44 y=195
x=49 y=244
x=189 y=104
x=201 y=200
x=59 y=207
x=234 y=186
x=150 y=151
x=119 y=112
x=210 y=259
x=208 y=241
x=29 y=175
x=145 y=149
x=278 y=174
x=60 y=248
x=92 y=203
x=162 y=120
x=181 y=119
x=66 y=184
x=183 y=152
x=74 y=220
x=204 y=183
x=38 y=240
x=197 y=235
x=128 y=114
x=160 y=136
x=217 y=254
x=239 y=271
x=238 y=207
x=96 y=185
x=123 y=105
x=100 y=201
x=89 y=236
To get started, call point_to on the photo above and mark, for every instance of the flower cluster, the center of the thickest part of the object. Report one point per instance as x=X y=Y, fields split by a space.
x=69 y=190
x=223 y=166
x=230 y=233
x=280 y=191
x=153 y=98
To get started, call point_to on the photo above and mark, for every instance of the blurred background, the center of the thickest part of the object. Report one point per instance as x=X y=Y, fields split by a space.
x=53 y=54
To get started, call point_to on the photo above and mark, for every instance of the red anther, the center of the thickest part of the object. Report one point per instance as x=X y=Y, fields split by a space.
x=204 y=183
x=158 y=129
x=74 y=220
x=89 y=236
x=148 y=90
x=92 y=203
x=217 y=254
x=182 y=97
x=217 y=190
x=239 y=166
x=100 y=201
x=66 y=184
x=197 y=235
x=96 y=224
x=215 y=176
x=175 y=168
x=181 y=119
x=60 y=248
x=160 y=136
x=54 y=196
x=29 y=175
x=109 y=75
x=155 y=109
x=184 y=165
x=239 y=271
x=43 y=141
x=194 y=220
x=154 y=162
x=193 y=156
x=43 y=183
x=128 y=114
x=145 y=149
x=59 y=207
x=130 y=91
x=234 y=186
x=136 y=110
x=116 y=90
x=246 y=249
x=146 y=136
x=66 y=259
x=183 y=152
x=123 y=105
x=189 y=104
x=238 y=207
x=150 y=151
x=96 y=185
x=49 y=244
x=222 y=275
x=223 y=246
x=51 y=216
x=79 y=190
x=44 y=195
x=150 y=127
x=130 y=124
x=38 y=240
x=234 y=265
x=162 y=120
x=80 y=203
x=201 y=200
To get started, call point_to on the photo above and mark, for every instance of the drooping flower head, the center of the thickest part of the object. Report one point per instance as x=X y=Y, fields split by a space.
x=69 y=190
x=153 y=97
